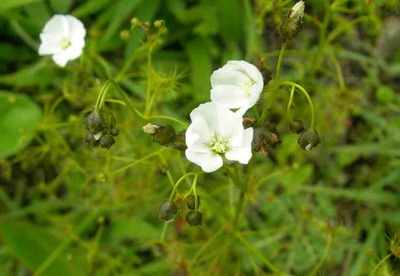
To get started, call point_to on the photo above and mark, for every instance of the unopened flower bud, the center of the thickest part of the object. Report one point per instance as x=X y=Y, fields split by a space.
x=191 y=202
x=296 y=126
x=136 y=23
x=292 y=22
x=309 y=139
x=194 y=218
x=94 y=122
x=167 y=210
x=164 y=135
x=264 y=138
x=114 y=131
x=106 y=141
x=91 y=140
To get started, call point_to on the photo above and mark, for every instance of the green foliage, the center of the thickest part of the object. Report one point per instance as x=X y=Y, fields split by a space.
x=19 y=118
x=68 y=209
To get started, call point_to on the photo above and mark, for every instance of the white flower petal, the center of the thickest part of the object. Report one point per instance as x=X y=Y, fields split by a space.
x=229 y=96
x=75 y=27
x=60 y=59
x=229 y=76
x=243 y=153
x=208 y=161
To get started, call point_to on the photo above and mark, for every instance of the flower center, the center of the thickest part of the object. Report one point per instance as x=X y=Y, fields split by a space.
x=247 y=87
x=65 y=43
x=219 y=144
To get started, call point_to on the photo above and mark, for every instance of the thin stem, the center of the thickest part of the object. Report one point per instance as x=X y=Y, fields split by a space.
x=102 y=95
x=326 y=251
x=164 y=231
x=289 y=105
x=127 y=100
x=148 y=92
x=380 y=263
x=116 y=101
x=253 y=250
x=279 y=64
x=302 y=90
x=171 y=197
x=24 y=35
x=194 y=187
x=137 y=161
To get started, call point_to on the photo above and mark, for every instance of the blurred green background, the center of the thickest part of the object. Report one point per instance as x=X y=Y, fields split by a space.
x=66 y=209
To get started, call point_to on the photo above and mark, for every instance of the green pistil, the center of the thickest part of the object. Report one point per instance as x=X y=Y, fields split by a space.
x=219 y=145
x=65 y=43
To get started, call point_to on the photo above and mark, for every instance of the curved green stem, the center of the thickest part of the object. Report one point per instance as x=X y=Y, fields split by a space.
x=289 y=105
x=171 y=197
x=102 y=95
x=380 y=263
x=302 y=90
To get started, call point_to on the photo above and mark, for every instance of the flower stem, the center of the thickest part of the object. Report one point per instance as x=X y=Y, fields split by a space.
x=102 y=95
x=289 y=105
x=196 y=174
x=148 y=92
x=380 y=263
x=302 y=90
x=278 y=65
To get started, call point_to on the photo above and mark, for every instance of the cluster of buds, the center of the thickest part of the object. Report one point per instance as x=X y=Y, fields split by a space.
x=101 y=129
x=153 y=31
x=165 y=135
x=292 y=22
x=308 y=138
x=193 y=217
x=168 y=209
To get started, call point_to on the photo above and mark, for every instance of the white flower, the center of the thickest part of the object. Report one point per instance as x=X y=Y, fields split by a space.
x=63 y=37
x=215 y=130
x=238 y=84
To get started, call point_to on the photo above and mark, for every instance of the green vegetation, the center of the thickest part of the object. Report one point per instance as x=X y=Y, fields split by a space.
x=70 y=209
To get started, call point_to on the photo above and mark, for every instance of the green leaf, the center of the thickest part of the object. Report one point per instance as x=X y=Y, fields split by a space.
x=199 y=53
x=61 y=7
x=121 y=10
x=10 y=4
x=134 y=228
x=90 y=7
x=32 y=245
x=19 y=117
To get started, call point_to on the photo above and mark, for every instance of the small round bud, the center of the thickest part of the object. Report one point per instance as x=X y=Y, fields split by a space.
x=309 y=139
x=114 y=131
x=124 y=35
x=165 y=135
x=167 y=210
x=194 y=218
x=159 y=23
x=94 y=122
x=106 y=141
x=191 y=202
x=136 y=22
x=264 y=139
x=91 y=140
x=296 y=126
